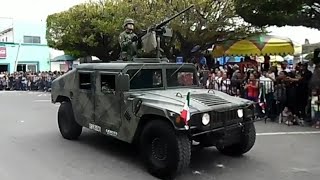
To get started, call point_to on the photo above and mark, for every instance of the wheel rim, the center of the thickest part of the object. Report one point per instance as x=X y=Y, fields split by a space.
x=159 y=150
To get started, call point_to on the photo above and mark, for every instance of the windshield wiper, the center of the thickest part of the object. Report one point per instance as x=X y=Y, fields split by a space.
x=137 y=72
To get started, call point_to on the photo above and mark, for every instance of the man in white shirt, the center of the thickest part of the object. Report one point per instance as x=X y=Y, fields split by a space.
x=267 y=81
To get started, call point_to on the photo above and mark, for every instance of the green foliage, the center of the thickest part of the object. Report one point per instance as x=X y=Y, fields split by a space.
x=93 y=28
x=280 y=12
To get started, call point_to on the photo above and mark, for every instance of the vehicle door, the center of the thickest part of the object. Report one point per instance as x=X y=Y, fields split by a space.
x=83 y=97
x=107 y=102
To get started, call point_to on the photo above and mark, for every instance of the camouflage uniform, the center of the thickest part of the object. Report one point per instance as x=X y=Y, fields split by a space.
x=128 y=42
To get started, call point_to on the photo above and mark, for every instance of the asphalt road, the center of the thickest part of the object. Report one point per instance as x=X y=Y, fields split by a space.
x=32 y=148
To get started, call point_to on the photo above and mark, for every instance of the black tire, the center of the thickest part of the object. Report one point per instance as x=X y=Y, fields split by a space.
x=68 y=126
x=165 y=152
x=245 y=145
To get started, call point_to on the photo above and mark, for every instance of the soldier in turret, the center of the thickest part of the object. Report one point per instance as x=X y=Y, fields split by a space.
x=128 y=41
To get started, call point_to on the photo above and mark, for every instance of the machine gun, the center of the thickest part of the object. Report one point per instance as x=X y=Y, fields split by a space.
x=151 y=40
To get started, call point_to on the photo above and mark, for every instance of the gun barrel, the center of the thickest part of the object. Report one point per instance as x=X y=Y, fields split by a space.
x=173 y=17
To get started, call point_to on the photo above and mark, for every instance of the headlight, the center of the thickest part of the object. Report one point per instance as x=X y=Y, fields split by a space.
x=240 y=113
x=205 y=119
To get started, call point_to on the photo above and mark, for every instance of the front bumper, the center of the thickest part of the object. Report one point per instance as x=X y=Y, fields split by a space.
x=220 y=122
x=194 y=132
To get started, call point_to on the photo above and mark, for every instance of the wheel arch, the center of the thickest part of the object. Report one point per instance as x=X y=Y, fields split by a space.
x=144 y=120
x=62 y=98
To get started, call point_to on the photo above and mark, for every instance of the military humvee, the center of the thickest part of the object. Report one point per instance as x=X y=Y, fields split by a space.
x=140 y=102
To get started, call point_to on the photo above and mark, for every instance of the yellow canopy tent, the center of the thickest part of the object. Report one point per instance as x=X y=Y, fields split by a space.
x=255 y=46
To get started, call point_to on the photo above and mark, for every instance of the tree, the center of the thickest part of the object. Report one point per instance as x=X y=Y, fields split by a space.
x=280 y=12
x=85 y=30
x=93 y=28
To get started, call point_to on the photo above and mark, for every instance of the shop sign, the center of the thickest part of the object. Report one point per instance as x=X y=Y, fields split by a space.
x=3 y=53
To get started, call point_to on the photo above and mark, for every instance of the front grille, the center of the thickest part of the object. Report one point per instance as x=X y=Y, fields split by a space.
x=229 y=117
x=208 y=99
x=218 y=119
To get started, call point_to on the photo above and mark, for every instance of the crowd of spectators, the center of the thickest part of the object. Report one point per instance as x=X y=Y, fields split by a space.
x=27 y=81
x=281 y=93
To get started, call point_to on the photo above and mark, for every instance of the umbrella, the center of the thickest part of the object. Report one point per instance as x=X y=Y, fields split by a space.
x=64 y=58
x=255 y=46
x=297 y=49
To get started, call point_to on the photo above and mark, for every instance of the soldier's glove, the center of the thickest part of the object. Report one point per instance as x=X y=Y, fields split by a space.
x=134 y=38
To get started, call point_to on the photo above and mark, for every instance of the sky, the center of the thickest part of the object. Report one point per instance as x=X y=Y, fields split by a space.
x=40 y=9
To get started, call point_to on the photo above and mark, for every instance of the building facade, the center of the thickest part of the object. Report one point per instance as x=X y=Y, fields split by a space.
x=23 y=47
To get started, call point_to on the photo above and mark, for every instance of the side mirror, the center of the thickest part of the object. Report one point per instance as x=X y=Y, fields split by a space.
x=123 y=82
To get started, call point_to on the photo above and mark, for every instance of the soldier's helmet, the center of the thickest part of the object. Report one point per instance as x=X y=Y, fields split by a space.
x=128 y=21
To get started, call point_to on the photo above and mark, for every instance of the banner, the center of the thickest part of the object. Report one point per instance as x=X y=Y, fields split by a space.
x=3 y=53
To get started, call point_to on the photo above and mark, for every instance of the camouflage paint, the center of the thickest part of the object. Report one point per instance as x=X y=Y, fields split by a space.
x=107 y=106
x=117 y=113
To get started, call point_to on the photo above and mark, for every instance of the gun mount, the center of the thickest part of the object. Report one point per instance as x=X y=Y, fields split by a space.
x=151 y=40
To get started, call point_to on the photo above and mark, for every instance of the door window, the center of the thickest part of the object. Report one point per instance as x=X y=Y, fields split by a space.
x=108 y=83
x=85 y=81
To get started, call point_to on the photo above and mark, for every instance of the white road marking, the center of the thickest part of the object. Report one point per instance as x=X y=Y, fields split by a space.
x=288 y=133
x=196 y=172
x=42 y=100
x=300 y=170
x=220 y=165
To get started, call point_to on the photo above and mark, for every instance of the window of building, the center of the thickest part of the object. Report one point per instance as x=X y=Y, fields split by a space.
x=31 y=39
x=32 y=67
x=108 y=83
x=85 y=81
x=27 y=67
x=146 y=78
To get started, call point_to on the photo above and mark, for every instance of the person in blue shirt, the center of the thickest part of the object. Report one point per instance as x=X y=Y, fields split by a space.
x=203 y=60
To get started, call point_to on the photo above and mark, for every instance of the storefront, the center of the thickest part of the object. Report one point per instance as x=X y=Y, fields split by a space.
x=24 y=57
x=23 y=47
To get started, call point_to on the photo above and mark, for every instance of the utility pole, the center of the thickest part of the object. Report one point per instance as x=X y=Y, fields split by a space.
x=17 y=57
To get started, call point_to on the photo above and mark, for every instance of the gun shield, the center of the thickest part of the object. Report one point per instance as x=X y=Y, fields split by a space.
x=149 y=41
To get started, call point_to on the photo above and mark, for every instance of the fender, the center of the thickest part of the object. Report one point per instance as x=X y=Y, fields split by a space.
x=154 y=109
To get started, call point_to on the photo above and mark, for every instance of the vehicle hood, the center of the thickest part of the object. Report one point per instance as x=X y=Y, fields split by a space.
x=201 y=100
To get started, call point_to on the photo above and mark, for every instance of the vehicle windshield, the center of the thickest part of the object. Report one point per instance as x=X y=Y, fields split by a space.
x=181 y=77
x=145 y=78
